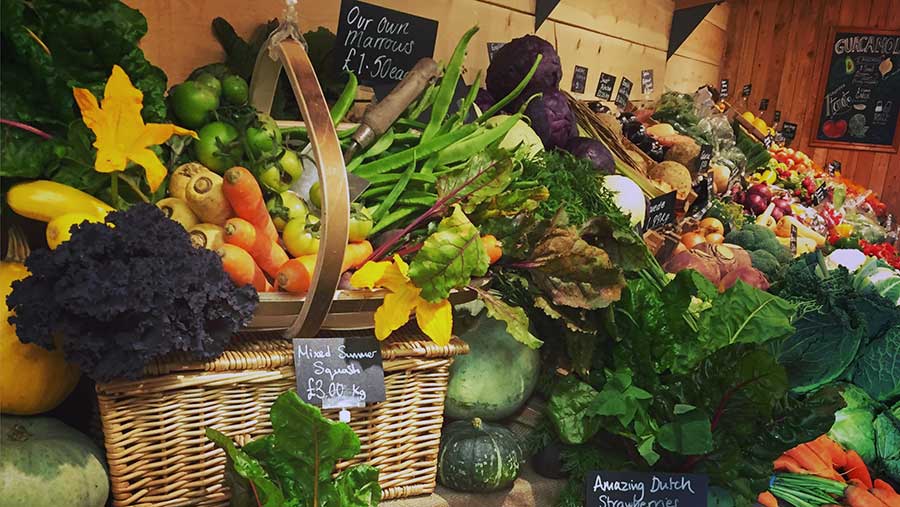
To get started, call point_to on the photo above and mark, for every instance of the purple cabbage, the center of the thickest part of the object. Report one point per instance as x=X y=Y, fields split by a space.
x=513 y=61
x=552 y=119
x=594 y=152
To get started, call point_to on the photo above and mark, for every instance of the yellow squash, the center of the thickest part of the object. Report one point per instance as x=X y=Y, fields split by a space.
x=45 y=200
x=32 y=379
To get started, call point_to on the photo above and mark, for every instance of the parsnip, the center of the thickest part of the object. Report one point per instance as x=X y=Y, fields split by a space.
x=179 y=211
x=182 y=175
x=209 y=236
x=206 y=198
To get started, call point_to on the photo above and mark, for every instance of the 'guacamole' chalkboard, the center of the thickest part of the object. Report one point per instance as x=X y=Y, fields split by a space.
x=381 y=45
x=859 y=96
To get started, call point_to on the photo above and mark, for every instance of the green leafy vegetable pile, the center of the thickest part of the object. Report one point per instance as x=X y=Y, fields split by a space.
x=48 y=47
x=293 y=466
x=677 y=109
x=872 y=429
x=118 y=295
x=766 y=253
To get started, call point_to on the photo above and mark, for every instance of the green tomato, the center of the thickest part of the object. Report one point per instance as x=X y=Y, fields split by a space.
x=193 y=103
x=286 y=206
x=360 y=226
x=235 y=90
x=264 y=139
x=207 y=146
x=212 y=82
x=315 y=195
x=282 y=174
x=298 y=239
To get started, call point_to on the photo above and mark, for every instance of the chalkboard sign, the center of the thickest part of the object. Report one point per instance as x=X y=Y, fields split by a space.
x=579 y=79
x=858 y=104
x=647 y=81
x=704 y=158
x=820 y=194
x=763 y=104
x=624 y=92
x=492 y=48
x=339 y=372
x=704 y=191
x=793 y=239
x=777 y=116
x=605 y=86
x=612 y=489
x=660 y=212
x=723 y=88
x=767 y=141
x=745 y=92
x=789 y=130
x=381 y=45
x=834 y=166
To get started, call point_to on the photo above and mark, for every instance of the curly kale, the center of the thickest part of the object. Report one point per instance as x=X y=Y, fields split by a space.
x=118 y=297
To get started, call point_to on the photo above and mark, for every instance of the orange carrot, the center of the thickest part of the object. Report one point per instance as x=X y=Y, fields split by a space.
x=355 y=254
x=788 y=463
x=295 y=275
x=809 y=460
x=267 y=253
x=767 y=499
x=880 y=484
x=856 y=469
x=858 y=496
x=246 y=199
x=887 y=496
x=241 y=269
x=830 y=451
x=493 y=247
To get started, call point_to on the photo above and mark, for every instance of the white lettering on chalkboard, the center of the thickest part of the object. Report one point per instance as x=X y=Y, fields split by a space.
x=878 y=44
x=357 y=40
x=625 y=486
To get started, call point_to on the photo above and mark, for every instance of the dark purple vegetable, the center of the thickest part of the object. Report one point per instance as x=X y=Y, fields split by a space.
x=552 y=119
x=756 y=203
x=656 y=152
x=484 y=100
x=513 y=61
x=762 y=190
x=633 y=129
x=626 y=117
x=593 y=151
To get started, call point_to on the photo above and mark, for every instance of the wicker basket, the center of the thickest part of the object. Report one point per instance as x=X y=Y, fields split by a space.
x=153 y=428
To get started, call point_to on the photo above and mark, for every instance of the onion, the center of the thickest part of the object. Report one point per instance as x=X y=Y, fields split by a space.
x=756 y=203
x=762 y=190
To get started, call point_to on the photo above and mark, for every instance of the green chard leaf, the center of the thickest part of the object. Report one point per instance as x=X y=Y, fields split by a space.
x=687 y=434
x=486 y=175
x=247 y=467
x=513 y=316
x=570 y=409
x=449 y=258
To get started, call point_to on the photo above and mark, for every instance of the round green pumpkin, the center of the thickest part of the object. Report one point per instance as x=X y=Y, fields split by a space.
x=495 y=378
x=44 y=463
x=478 y=457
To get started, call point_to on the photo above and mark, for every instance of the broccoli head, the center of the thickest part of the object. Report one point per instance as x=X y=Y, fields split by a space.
x=757 y=237
x=765 y=262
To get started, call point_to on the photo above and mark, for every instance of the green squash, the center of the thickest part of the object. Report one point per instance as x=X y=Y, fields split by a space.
x=44 y=463
x=478 y=457
x=495 y=378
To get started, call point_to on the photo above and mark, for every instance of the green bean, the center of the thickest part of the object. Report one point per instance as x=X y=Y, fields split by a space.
x=430 y=164
x=466 y=104
x=301 y=131
x=376 y=191
x=392 y=197
x=380 y=179
x=381 y=145
x=419 y=152
x=410 y=123
x=417 y=198
x=392 y=218
x=424 y=102
x=345 y=101
x=448 y=86
x=513 y=94
x=477 y=143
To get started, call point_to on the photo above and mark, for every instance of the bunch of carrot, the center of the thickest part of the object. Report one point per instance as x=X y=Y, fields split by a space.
x=821 y=473
x=252 y=253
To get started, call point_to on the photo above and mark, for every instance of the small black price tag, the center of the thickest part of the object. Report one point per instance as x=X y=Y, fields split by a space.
x=834 y=166
x=820 y=194
x=579 y=79
x=605 y=86
x=763 y=104
x=745 y=92
x=723 y=89
x=704 y=191
x=704 y=158
x=608 y=489
x=777 y=116
x=789 y=130
x=647 y=81
x=492 y=48
x=793 y=239
x=767 y=141
x=339 y=372
x=624 y=92
x=660 y=212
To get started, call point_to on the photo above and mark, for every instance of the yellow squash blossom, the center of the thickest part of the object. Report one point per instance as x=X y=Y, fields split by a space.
x=121 y=133
x=434 y=319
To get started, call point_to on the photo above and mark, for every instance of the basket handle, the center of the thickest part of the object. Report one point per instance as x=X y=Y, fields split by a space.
x=290 y=55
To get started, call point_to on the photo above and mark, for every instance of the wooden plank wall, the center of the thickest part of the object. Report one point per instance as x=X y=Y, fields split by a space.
x=611 y=36
x=699 y=59
x=777 y=45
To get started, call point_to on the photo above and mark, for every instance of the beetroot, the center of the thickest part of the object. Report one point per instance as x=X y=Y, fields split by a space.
x=750 y=276
x=756 y=203
x=762 y=190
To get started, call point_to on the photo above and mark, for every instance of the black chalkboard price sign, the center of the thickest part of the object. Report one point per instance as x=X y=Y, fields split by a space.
x=605 y=86
x=339 y=372
x=579 y=79
x=858 y=103
x=647 y=82
x=706 y=151
x=745 y=92
x=834 y=166
x=777 y=116
x=381 y=45
x=704 y=191
x=789 y=130
x=763 y=104
x=660 y=212
x=624 y=92
x=613 y=489
x=723 y=88
x=820 y=194
x=767 y=141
